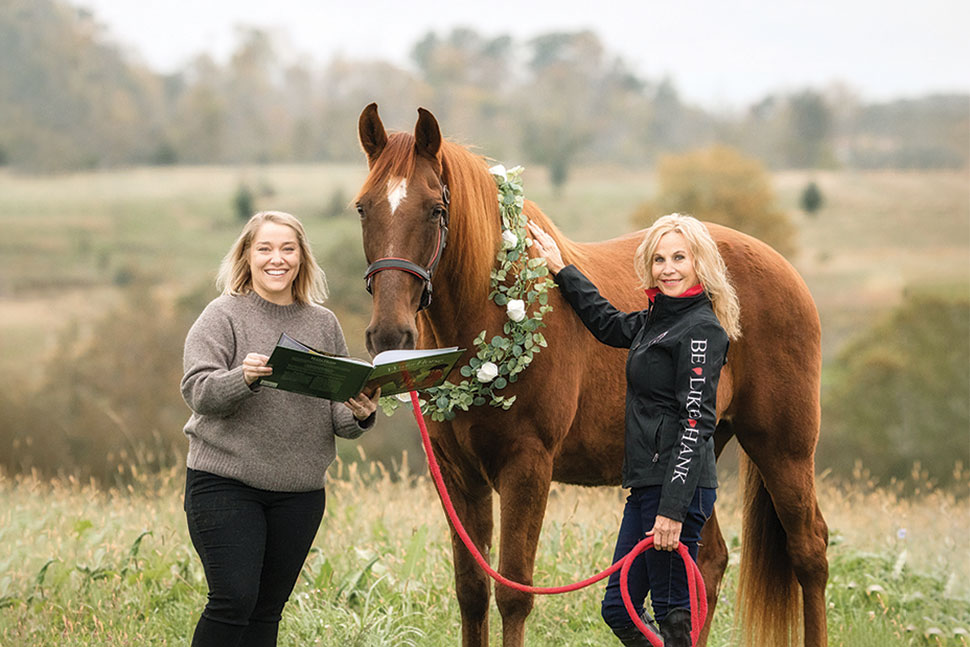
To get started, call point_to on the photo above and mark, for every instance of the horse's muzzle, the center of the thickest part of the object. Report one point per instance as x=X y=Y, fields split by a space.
x=388 y=337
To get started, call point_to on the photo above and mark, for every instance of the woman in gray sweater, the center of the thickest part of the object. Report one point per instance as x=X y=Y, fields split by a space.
x=257 y=458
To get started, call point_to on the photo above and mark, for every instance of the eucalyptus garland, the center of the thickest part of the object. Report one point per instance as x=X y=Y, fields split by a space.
x=520 y=285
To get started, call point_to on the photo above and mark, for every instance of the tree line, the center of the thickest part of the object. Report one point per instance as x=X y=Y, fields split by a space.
x=70 y=98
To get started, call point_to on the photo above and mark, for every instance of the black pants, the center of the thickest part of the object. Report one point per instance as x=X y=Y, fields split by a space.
x=252 y=544
x=659 y=572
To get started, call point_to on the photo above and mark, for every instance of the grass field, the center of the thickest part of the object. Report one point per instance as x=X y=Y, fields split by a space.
x=84 y=567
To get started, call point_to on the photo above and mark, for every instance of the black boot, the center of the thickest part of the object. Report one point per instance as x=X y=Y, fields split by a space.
x=630 y=636
x=675 y=628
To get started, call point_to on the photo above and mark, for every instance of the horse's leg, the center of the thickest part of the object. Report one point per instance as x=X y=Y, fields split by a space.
x=523 y=485
x=472 y=499
x=792 y=487
x=712 y=558
x=783 y=452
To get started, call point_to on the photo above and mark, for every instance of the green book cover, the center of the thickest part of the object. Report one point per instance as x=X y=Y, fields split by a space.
x=302 y=369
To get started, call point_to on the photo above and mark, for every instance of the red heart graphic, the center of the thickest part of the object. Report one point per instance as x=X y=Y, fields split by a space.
x=698 y=370
x=692 y=423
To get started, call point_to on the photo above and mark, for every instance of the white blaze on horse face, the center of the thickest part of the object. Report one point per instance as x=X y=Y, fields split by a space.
x=397 y=190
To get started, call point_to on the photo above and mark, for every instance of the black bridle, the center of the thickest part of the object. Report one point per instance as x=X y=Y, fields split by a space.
x=423 y=274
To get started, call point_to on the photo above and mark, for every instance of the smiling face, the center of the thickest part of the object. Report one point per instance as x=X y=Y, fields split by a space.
x=672 y=265
x=274 y=261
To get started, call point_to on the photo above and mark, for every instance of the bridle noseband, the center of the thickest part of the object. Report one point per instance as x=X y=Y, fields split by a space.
x=423 y=274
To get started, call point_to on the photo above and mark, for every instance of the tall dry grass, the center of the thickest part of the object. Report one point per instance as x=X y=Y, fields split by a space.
x=87 y=566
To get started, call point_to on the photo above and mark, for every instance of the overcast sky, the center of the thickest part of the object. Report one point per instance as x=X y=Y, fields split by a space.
x=720 y=54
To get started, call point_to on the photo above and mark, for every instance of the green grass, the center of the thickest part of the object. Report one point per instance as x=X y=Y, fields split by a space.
x=84 y=567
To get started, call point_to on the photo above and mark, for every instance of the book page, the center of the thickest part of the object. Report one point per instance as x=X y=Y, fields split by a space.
x=394 y=356
x=286 y=341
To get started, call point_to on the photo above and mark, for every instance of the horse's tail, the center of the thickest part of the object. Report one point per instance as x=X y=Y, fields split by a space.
x=769 y=600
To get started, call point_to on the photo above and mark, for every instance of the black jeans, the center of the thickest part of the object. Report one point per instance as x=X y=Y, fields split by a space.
x=252 y=544
x=659 y=572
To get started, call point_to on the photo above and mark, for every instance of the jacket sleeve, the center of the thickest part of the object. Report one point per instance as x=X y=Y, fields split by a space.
x=210 y=385
x=610 y=326
x=700 y=356
x=345 y=424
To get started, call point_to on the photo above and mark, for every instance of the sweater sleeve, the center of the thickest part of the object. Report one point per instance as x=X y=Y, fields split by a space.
x=700 y=356
x=210 y=385
x=345 y=424
x=609 y=325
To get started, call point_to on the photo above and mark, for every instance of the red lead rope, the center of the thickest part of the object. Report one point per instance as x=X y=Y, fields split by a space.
x=695 y=583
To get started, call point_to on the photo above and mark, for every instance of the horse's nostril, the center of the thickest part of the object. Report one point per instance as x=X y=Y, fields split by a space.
x=407 y=339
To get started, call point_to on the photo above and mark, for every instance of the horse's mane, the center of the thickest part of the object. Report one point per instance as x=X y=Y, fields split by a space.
x=475 y=231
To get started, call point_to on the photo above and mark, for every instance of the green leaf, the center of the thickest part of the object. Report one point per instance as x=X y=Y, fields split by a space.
x=414 y=553
x=515 y=276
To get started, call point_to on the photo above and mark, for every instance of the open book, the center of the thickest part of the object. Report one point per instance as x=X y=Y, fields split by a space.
x=301 y=369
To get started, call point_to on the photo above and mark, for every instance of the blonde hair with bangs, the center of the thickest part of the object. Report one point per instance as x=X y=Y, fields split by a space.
x=235 y=277
x=708 y=264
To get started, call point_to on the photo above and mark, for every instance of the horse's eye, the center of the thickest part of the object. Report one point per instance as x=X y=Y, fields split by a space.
x=439 y=212
x=360 y=211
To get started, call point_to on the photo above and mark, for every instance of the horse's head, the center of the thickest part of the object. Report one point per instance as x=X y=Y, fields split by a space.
x=403 y=208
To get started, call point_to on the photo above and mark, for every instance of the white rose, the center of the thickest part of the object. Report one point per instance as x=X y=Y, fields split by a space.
x=404 y=397
x=509 y=239
x=487 y=372
x=516 y=309
x=499 y=170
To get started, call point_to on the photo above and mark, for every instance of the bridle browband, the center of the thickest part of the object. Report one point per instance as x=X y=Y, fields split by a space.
x=423 y=274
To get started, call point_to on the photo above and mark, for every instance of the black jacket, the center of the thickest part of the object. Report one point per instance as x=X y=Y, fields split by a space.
x=677 y=348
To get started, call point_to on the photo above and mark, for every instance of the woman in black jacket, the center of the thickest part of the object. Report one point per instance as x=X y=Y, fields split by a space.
x=677 y=347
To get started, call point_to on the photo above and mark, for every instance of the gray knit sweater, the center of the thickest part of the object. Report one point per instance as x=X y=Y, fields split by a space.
x=268 y=439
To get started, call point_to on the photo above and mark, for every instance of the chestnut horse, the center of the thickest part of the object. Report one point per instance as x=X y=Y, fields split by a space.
x=567 y=421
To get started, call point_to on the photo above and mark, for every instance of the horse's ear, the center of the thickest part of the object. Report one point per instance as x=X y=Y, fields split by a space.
x=427 y=135
x=371 y=132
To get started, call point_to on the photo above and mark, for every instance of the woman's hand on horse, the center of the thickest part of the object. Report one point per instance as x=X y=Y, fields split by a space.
x=666 y=533
x=362 y=405
x=546 y=248
x=254 y=367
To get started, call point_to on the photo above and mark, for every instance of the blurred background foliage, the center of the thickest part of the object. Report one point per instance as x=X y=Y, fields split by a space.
x=121 y=188
x=70 y=98
x=721 y=185
x=897 y=394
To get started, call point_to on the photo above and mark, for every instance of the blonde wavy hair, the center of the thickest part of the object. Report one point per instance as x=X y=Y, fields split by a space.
x=235 y=277
x=708 y=264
